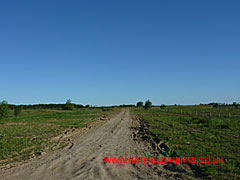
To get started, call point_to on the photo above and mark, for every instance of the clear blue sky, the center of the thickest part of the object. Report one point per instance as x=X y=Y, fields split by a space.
x=114 y=52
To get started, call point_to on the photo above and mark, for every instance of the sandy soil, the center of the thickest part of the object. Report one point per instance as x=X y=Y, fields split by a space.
x=84 y=159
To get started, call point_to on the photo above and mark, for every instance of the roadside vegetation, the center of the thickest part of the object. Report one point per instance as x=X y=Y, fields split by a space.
x=26 y=133
x=148 y=104
x=3 y=110
x=197 y=131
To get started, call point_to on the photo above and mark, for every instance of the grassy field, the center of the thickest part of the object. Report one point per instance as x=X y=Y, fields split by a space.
x=198 y=131
x=27 y=135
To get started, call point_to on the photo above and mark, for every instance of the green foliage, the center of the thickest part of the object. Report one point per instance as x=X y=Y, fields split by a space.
x=198 y=135
x=140 y=104
x=33 y=131
x=3 y=110
x=234 y=104
x=18 y=111
x=69 y=105
x=148 y=104
x=163 y=106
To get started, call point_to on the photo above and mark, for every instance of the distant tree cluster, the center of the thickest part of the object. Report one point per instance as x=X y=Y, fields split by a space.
x=163 y=106
x=17 y=109
x=69 y=105
x=140 y=104
x=43 y=106
x=234 y=104
x=127 y=105
x=147 y=105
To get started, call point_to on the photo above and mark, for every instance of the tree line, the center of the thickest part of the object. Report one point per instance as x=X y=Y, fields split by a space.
x=147 y=105
x=4 y=107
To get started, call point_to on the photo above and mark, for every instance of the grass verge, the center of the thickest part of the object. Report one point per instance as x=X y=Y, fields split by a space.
x=189 y=135
x=26 y=136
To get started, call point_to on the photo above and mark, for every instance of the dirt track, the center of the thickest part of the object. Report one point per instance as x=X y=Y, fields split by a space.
x=84 y=160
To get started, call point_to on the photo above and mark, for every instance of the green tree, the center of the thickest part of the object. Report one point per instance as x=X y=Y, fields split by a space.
x=18 y=110
x=3 y=110
x=140 y=104
x=163 y=106
x=148 y=104
x=69 y=105
x=235 y=104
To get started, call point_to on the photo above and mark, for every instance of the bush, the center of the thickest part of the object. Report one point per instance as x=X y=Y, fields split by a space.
x=140 y=104
x=3 y=110
x=148 y=104
x=18 y=110
x=163 y=106
x=69 y=105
